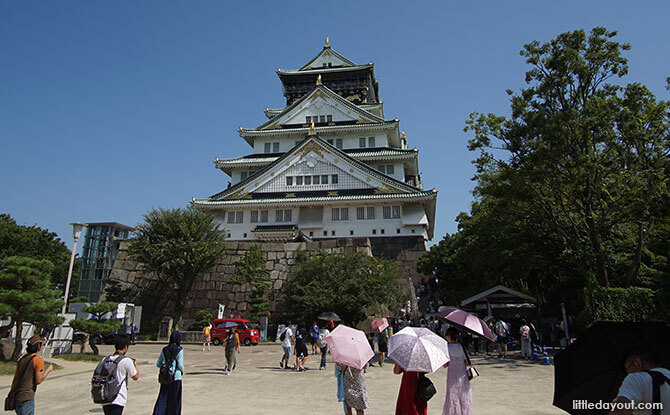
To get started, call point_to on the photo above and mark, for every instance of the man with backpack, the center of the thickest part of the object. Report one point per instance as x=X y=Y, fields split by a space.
x=502 y=331
x=110 y=379
x=647 y=382
x=29 y=373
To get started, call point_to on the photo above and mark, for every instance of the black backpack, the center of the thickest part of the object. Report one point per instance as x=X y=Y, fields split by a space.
x=282 y=336
x=425 y=389
x=166 y=372
x=104 y=384
x=657 y=380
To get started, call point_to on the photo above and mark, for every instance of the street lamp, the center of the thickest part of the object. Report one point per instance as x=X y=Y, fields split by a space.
x=76 y=233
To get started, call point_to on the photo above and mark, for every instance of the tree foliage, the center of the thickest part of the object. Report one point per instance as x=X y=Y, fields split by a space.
x=98 y=322
x=250 y=270
x=35 y=242
x=202 y=319
x=589 y=157
x=178 y=246
x=26 y=295
x=346 y=284
x=573 y=185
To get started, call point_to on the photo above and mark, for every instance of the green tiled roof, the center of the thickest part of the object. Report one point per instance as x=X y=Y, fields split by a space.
x=324 y=70
x=420 y=195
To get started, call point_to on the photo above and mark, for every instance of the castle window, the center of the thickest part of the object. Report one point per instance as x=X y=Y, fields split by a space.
x=340 y=214
x=289 y=180
x=351 y=232
x=371 y=212
x=371 y=141
x=244 y=175
x=334 y=178
x=360 y=213
x=338 y=143
x=308 y=119
x=268 y=147
x=330 y=141
x=316 y=179
x=374 y=231
x=324 y=179
x=382 y=231
x=361 y=142
x=235 y=217
x=283 y=215
x=308 y=180
x=391 y=212
x=275 y=147
x=322 y=118
x=298 y=180
x=332 y=233
x=329 y=118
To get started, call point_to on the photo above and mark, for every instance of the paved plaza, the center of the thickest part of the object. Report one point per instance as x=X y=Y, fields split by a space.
x=259 y=386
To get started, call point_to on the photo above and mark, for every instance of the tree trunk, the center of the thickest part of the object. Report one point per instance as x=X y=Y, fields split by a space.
x=17 y=339
x=637 y=258
x=596 y=244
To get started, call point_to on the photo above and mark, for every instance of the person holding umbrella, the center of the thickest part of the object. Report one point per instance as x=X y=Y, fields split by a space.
x=458 y=400
x=407 y=403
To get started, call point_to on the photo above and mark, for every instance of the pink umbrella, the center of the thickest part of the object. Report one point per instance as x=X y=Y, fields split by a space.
x=466 y=321
x=349 y=347
x=379 y=324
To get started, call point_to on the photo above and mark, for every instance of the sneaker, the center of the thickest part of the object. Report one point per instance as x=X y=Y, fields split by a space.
x=322 y=368
x=281 y=364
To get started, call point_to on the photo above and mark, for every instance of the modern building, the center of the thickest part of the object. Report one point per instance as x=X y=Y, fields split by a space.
x=328 y=165
x=101 y=244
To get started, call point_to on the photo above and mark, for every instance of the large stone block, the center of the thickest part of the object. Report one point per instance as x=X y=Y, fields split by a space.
x=232 y=246
x=239 y=297
x=274 y=274
x=329 y=243
x=293 y=246
x=271 y=256
x=278 y=284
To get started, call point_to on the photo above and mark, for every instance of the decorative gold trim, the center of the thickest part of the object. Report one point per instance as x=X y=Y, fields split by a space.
x=290 y=195
x=327 y=45
x=319 y=81
x=333 y=194
x=312 y=130
x=311 y=146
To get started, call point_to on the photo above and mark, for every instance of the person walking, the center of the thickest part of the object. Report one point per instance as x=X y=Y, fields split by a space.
x=502 y=330
x=232 y=343
x=321 y=343
x=287 y=341
x=382 y=345
x=459 y=395
x=355 y=392
x=314 y=336
x=300 y=349
x=524 y=332
x=93 y=339
x=207 y=338
x=29 y=373
x=340 y=389
x=407 y=403
x=169 y=396
x=126 y=368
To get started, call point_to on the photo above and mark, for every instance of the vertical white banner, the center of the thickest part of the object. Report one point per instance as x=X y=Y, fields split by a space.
x=221 y=308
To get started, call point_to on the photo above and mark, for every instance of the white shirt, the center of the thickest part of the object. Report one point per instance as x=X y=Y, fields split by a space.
x=638 y=387
x=124 y=371
x=287 y=339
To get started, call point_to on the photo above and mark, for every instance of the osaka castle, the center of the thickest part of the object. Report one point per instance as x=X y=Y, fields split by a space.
x=328 y=165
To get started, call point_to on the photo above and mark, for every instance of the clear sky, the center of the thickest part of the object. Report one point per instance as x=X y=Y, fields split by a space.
x=108 y=109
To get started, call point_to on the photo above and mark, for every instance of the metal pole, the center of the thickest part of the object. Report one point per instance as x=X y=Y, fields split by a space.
x=67 y=284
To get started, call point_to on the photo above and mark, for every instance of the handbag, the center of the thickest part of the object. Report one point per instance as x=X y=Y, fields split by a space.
x=472 y=373
x=10 y=400
x=425 y=388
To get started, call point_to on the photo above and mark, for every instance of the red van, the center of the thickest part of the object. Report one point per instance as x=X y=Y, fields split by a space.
x=220 y=326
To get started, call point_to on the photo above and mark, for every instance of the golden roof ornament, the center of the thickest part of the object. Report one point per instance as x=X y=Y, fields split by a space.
x=403 y=136
x=327 y=45
x=319 y=81
x=312 y=130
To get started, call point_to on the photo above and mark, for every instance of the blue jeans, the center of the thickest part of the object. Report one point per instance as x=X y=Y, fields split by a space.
x=324 y=350
x=25 y=408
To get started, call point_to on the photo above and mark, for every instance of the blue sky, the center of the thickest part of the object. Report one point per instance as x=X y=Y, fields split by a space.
x=108 y=109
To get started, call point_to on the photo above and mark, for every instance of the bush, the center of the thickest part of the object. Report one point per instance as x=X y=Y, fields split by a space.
x=618 y=304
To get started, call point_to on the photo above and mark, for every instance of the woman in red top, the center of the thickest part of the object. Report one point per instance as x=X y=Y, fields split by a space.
x=407 y=403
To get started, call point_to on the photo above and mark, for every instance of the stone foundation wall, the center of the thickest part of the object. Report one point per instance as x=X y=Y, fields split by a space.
x=215 y=287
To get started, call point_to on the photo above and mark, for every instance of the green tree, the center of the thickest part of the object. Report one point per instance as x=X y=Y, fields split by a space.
x=98 y=310
x=250 y=270
x=590 y=158
x=202 y=319
x=26 y=295
x=178 y=246
x=35 y=242
x=346 y=284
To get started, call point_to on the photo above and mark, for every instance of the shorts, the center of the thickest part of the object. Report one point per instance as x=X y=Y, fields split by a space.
x=208 y=339
x=312 y=340
x=301 y=351
x=502 y=340
x=287 y=351
x=382 y=347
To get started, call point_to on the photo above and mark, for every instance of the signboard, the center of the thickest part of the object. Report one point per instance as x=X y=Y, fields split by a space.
x=221 y=309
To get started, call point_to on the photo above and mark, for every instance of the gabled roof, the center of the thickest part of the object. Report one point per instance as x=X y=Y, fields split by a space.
x=327 y=94
x=242 y=189
x=328 y=52
x=498 y=289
